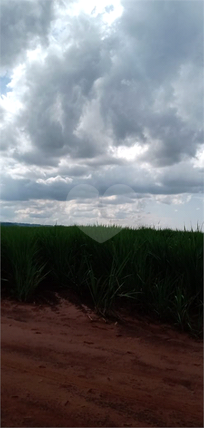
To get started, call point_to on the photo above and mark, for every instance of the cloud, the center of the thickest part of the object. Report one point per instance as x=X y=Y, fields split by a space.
x=101 y=102
x=24 y=23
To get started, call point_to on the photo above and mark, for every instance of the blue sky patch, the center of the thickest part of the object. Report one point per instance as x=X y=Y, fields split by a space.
x=4 y=81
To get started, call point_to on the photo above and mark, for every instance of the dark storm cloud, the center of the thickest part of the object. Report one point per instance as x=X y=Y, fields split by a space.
x=73 y=171
x=34 y=157
x=58 y=91
x=25 y=190
x=156 y=39
x=23 y=23
x=172 y=140
x=116 y=181
x=141 y=54
x=165 y=34
x=132 y=83
x=183 y=181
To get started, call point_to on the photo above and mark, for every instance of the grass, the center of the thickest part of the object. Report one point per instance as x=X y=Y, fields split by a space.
x=156 y=272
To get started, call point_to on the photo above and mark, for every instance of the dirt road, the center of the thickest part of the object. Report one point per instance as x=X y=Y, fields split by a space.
x=65 y=367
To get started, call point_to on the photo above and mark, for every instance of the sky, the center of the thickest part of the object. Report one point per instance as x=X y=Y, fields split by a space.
x=101 y=112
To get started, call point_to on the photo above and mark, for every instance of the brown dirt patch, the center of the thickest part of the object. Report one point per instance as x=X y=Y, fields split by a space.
x=69 y=368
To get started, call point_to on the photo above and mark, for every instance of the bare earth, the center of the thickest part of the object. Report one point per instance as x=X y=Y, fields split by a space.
x=65 y=367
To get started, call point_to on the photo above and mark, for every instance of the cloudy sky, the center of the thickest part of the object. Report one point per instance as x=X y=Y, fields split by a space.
x=101 y=112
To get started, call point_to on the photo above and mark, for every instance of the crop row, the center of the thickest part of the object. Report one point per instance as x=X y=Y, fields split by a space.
x=158 y=272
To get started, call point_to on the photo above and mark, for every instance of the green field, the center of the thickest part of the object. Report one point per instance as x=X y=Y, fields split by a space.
x=154 y=272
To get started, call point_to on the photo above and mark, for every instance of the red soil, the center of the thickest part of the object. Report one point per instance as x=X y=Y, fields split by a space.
x=65 y=367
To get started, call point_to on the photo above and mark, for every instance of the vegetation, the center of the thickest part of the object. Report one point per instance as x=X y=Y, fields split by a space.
x=155 y=272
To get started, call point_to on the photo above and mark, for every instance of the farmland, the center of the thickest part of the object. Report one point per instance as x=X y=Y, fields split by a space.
x=158 y=273
x=100 y=326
